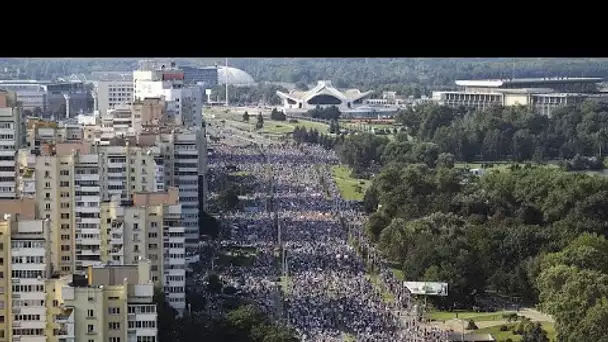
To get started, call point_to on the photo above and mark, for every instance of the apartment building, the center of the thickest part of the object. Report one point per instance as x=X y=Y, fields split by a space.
x=149 y=226
x=30 y=93
x=67 y=192
x=184 y=103
x=112 y=304
x=184 y=158
x=11 y=139
x=117 y=122
x=112 y=91
x=148 y=113
x=40 y=132
x=24 y=266
x=127 y=168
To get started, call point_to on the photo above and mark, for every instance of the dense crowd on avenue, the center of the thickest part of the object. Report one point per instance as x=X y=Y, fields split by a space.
x=325 y=292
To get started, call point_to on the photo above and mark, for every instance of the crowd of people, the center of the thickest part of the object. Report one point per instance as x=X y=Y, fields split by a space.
x=306 y=274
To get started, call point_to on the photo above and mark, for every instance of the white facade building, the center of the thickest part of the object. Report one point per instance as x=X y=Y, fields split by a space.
x=322 y=95
x=184 y=104
x=111 y=93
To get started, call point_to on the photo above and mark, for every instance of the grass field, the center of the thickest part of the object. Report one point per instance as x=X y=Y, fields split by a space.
x=349 y=338
x=504 y=335
x=476 y=316
x=497 y=165
x=377 y=282
x=286 y=285
x=350 y=188
x=398 y=273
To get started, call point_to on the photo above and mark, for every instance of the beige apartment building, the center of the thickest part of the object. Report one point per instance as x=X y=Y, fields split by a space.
x=69 y=180
x=150 y=227
x=24 y=268
x=112 y=304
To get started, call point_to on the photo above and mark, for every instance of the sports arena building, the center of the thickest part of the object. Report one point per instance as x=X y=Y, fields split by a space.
x=323 y=95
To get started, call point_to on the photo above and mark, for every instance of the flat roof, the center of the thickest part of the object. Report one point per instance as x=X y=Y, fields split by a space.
x=501 y=82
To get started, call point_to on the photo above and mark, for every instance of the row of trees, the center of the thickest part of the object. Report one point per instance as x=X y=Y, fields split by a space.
x=509 y=231
x=407 y=76
x=511 y=133
x=259 y=124
x=243 y=322
x=261 y=92
x=312 y=136
x=277 y=115
x=325 y=113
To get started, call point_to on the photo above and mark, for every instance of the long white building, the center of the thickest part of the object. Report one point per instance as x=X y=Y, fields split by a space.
x=544 y=95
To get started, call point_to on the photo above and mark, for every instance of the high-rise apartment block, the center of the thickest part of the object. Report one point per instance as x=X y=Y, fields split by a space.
x=11 y=139
x=113 y=303
x=106 y=303
x=184 y=102
x=149 y=226
x=115 y=198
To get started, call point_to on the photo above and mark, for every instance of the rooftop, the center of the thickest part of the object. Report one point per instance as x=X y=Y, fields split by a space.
x=325 y=88
x=496 y=83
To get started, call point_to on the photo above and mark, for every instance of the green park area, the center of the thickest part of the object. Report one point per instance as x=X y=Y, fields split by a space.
x=286 y=284
x=351 y=189
x=504 y=332
x=503 y=325
x=286 y=127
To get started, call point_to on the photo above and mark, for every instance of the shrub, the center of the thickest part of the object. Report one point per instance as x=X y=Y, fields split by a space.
x=504 y=328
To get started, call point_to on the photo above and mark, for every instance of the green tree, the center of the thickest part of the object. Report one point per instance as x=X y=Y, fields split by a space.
x=260 y=123
x=535 y=333
x=228 y=198
x=208 y=225
x=445 y=160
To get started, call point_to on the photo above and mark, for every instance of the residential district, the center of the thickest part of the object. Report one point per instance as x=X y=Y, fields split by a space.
x=103 y=182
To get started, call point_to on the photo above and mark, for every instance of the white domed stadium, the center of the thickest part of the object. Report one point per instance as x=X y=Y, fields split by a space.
x=234 y=76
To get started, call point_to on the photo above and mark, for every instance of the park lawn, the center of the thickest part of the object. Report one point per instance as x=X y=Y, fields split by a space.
x=277 y=127
x=240 y=173
x=351 y=189
x=286 y=127
x=349 y=337
x=398 y=273
x=379 y=286
x=321 y=127
x=286 y=284
x=501 y=165
x=504 y=335
x=476 y=316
